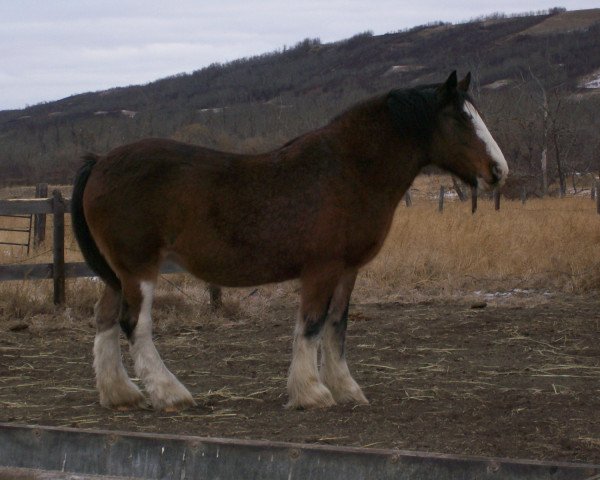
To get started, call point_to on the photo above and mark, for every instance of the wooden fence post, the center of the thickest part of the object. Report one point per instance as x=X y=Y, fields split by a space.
x=407 y=198
x=39 y=222
x=58 y=247
x=216 y=300
x=441 y=201
x=473 y=199
x=461 y=196
x=593 y=191
x=496 y=199
x=523 y=196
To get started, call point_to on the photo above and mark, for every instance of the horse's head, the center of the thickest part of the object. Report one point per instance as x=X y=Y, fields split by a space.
x=461 y=142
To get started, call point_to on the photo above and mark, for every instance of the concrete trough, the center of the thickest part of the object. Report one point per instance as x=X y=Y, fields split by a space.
x=40 y=453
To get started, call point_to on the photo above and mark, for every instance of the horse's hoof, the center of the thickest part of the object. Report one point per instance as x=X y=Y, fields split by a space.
x=174 y=405
x=135 y=402
x=122 y=396
x=356 y=397
x=345 y=390
x=173 y=398
x=178 y=407
x=141 y=405
x=350 y=395
x=318 y=396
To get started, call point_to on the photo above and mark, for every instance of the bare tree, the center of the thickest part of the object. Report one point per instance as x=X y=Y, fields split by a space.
x=544 y=155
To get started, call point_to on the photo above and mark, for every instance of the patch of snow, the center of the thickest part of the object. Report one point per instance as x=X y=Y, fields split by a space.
x=510 y=293
x=498 y=84
x=397 y=69
x=595 y=83
x=591 y=81
x=211 y=110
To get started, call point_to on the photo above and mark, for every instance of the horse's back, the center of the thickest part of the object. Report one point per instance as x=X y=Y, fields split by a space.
x=145 y=157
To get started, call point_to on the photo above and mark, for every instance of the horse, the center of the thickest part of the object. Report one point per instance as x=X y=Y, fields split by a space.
x=316 y=209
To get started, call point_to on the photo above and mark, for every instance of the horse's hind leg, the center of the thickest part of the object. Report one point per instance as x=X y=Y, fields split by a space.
x=334 y=370
x=305 y=388
x=114 y=386
x=166 y=392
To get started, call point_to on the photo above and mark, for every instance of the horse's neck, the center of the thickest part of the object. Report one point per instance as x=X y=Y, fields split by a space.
x=387 y=163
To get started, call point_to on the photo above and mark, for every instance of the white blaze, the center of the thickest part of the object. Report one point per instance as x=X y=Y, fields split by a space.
x=484 y=134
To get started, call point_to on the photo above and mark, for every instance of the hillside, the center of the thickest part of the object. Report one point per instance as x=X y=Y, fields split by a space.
x=255 y=103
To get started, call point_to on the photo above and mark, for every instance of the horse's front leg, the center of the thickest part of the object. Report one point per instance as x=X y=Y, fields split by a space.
x=305 y=388
x=334 y=371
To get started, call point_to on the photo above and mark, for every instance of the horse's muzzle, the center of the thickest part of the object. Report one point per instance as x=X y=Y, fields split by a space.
x=498 y=175
x=495 y=179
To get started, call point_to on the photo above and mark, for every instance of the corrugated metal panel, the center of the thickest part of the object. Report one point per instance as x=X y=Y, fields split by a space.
x=153 y=456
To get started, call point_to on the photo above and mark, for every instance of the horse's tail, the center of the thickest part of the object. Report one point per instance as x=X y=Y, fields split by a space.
x=84 y=237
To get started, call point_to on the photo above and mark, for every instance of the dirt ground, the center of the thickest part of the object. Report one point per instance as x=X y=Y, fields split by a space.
x=514 y=379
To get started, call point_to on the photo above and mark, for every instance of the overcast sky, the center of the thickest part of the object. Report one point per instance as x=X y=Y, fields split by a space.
x=50 y=49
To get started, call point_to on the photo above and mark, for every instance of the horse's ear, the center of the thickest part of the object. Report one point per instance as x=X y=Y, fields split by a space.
x=463 y=85
x=448 y=89
x=451 y=82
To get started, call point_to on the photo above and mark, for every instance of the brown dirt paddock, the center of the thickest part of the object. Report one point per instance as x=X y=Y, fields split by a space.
x=518 y=378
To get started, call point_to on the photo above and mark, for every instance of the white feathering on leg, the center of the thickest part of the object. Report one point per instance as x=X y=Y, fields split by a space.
x=335 y=373
x=166 y=392
x=305 y=389
x=113 y=383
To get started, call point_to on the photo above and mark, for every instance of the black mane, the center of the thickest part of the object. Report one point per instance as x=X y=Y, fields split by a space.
x=414 y=110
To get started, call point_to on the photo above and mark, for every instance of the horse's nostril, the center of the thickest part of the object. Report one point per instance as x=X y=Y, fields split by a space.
x=497 y=173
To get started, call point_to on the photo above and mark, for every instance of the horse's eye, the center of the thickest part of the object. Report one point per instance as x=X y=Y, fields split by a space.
x=464 y=117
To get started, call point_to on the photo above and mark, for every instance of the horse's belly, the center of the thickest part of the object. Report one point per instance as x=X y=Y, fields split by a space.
x=240 y=270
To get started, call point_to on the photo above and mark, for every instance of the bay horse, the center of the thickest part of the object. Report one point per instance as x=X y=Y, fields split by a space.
x=317 y=209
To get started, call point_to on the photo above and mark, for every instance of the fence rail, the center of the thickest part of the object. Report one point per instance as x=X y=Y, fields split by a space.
x=28 y=206
x=37 y=222
x=21 y=230
x=45 y=271
x=58 y=270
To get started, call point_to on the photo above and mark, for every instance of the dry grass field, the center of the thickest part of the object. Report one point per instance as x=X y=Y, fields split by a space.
x=516 y=377
x=545 y=244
